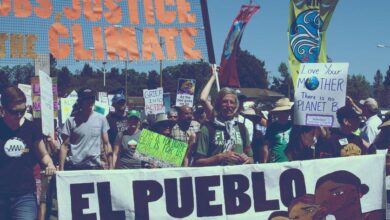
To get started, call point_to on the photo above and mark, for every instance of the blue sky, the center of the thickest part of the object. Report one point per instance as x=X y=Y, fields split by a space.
x=356 y=28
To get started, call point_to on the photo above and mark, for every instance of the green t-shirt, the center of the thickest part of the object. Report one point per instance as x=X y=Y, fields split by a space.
x=208 y=148
x=278 y=136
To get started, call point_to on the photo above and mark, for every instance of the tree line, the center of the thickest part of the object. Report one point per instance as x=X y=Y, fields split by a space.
x=251 y=70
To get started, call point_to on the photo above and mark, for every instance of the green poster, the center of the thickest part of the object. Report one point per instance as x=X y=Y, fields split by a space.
x=161 y=150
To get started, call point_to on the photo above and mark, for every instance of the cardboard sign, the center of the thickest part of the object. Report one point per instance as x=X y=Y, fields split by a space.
x=66 y=108
x=320 y=91
x=228 y=192
x=160 y=150
x=154 y=103
x=36 y=96
x=185 y=92
x=102 y=108
x=47 y=110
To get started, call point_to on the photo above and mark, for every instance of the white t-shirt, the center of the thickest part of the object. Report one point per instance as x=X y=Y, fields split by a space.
x=371 y=128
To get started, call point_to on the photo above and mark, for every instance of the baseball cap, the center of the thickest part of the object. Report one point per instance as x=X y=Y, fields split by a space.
x=86 y=93
x=133 y=113
x=117 y=98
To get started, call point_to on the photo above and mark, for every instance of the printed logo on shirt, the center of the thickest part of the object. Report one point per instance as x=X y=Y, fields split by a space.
x=15 y=147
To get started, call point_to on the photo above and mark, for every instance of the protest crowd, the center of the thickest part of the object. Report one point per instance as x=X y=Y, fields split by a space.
x=227 y=131
x=216 y=133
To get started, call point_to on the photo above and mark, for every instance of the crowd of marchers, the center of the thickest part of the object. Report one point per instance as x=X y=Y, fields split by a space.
x=230 y=130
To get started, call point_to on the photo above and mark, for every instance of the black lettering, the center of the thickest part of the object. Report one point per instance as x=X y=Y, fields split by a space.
x=145 y=192
x=259 y=194
x=105 y=206
x=286 y=181
x=79 y=203
x=204 y=196
x=186 y=194
x=234 y=188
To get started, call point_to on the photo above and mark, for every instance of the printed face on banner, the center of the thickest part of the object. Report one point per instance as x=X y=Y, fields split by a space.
x=319 y=93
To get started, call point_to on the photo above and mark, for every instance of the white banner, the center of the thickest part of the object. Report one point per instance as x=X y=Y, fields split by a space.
x=154 y=102
x=47 y=108
x=335 y=187
x=320 y=91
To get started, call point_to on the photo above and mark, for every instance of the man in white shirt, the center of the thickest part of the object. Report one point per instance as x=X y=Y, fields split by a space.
x=370 y=111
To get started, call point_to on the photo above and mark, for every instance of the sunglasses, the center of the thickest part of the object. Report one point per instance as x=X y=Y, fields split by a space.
x=16 y=111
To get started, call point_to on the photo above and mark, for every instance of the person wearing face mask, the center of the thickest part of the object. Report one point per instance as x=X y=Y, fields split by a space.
x=302 y=143
x=223 y=141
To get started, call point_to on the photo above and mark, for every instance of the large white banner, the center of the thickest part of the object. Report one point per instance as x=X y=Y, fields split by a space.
x=340 y=188
x=320 y=91
x=47 y=108
x=154 y=102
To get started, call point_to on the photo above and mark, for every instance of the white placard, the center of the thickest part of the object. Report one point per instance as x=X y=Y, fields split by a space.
x=154 y=102
x=42 y=62
x=66 y=108
x=26 y=89
x=320 y=91
x=225 y=192
x=185 y=92
x=47 y=110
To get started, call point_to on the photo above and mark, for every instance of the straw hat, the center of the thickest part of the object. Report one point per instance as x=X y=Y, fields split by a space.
x=282 y=104
x=161 y=119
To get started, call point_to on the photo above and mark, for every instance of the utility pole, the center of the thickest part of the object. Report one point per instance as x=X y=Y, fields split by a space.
x=161 y=76
x=126 y=81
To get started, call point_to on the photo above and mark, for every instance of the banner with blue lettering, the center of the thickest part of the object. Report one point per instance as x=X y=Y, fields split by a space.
x=320 y=91
x=315 y=189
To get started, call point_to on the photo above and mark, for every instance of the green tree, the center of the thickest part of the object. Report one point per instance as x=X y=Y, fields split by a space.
x=358 y=87
x=378 y=88
x=284 y=84
x=251 y=71
x=386 y=94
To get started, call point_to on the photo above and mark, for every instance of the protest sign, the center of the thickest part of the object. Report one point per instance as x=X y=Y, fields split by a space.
x=320 y=91
x=154 y=103
x=185 y=92
x=73 y=94
x=26 y=89
x=226 y=192
x=46 y=97
x=66 y=108
x=103 y=98
x=42 y=62
x=36 y=96
x=160 y=150
x=102 y=108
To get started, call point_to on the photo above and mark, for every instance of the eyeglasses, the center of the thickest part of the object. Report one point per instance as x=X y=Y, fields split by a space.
x=16 y=111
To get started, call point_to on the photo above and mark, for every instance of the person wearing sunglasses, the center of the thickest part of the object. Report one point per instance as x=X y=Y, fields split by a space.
x=22 y=147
